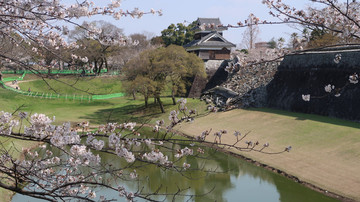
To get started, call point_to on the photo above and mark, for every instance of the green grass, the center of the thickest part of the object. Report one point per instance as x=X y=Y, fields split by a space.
x=97 y=111
x=75 y=85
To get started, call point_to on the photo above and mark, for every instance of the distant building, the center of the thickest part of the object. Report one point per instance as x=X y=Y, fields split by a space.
x=262 y=45
x=209 y=43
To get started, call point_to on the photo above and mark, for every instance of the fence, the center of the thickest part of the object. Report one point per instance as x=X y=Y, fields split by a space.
x=14 y=78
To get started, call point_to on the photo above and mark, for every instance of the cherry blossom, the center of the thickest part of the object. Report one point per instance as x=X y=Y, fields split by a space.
x=306 y=97
x=329 y=88
x=353 y=78
x=337 y=58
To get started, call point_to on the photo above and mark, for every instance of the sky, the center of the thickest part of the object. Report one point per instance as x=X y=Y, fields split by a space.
x=178 y=11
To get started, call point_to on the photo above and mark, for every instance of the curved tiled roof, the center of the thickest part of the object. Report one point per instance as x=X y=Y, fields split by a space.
x=207 y=42
x=209 y=21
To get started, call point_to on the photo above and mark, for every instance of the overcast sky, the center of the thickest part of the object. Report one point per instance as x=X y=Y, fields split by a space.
x=176 y=11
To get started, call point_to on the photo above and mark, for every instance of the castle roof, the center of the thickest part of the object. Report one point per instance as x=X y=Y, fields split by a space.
x=211 y=24
x=212 y=41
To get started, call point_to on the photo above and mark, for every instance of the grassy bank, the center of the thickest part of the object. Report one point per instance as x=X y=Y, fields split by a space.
x=325 y=150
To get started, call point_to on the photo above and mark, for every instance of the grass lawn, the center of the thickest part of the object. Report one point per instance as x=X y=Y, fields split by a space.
x=325 y=152
x=76 y=85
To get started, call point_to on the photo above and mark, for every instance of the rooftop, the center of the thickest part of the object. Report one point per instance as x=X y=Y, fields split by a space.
x=213 y=39
x=211 y=24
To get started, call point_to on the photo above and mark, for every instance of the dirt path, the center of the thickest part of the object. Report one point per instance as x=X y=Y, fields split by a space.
x=16 y=84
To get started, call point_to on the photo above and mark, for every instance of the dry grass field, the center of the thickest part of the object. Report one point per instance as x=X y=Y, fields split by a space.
x=325 y=151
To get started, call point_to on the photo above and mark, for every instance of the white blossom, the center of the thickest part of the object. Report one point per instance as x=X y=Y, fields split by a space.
x=237 y=134
x=84 y=59
x=329 y=88
x=133 y=175
x=173 y=117
x=184 y=152
x=113 y=140
x=306 y=97
x=98 y=144
x=92 y=194
x=354 y=78
x=130 y=125
x=337 y=58
x=186 y=166
x=23 y=115
x=78 y=150
x=156 y=156
x=123 y=152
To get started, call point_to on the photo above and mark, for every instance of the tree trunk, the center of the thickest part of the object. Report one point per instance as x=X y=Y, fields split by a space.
x=146 y=98
x=106 y=64
x=160 y=105
x=154 y=100
x=134 y=94
x=173 y=96
x=95 y=66
x=100 y=67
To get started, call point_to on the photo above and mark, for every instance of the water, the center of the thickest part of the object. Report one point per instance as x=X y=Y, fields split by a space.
x=232 y=179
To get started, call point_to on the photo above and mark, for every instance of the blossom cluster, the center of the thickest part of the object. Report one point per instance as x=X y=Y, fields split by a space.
x=329 y=88
x=337 y=58
x=354 y=78
x=203 y=135
x=123 y=152
x=158 y=125
x=157 y=156
x=184 y=152
x=306 y=97
x=339 y=17
x=7 y=123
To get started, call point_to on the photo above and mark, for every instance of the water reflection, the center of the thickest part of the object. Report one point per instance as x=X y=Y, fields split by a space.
x=232 y=179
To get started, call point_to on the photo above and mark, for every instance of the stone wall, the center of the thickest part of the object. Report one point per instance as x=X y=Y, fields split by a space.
x=281 y=85
x=309 y=73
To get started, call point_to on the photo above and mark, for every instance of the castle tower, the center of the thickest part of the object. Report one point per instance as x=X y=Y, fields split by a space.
x=209 y=43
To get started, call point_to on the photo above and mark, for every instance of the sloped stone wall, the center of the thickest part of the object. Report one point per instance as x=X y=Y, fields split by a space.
x=216 y=74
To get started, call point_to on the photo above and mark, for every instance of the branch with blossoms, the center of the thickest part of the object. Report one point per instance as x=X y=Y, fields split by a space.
x=69 y=166
x=337 y=17
x=331 y=89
